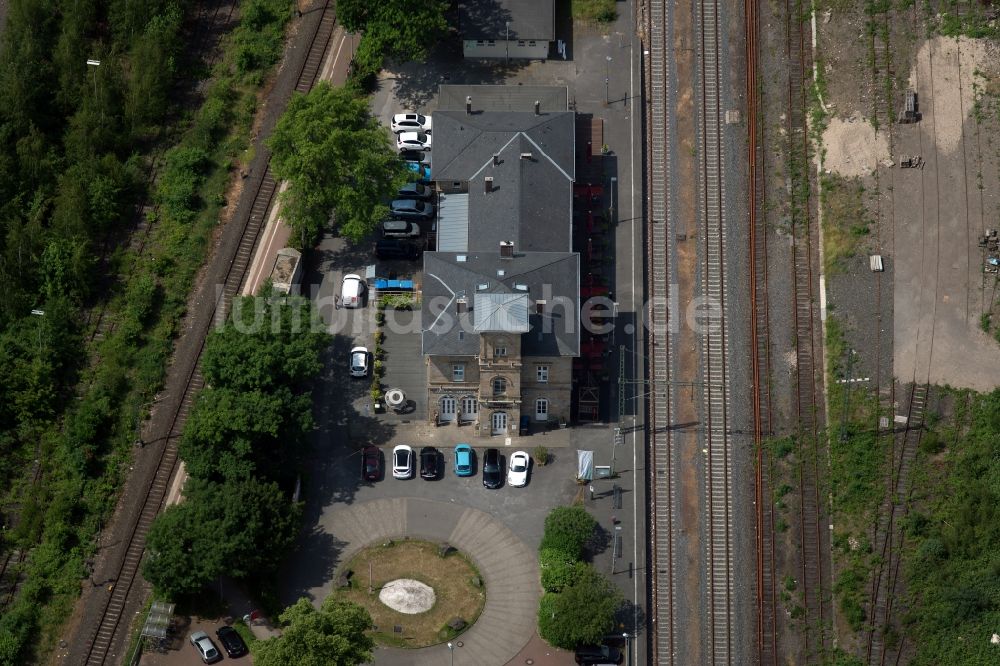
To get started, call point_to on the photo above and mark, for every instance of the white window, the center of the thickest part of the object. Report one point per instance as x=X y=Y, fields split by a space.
x=469 y=406
x=542 y=374
x=458 y=372
x=499 y=386
x=542 y=409
x=448 y=405
x=499 y=352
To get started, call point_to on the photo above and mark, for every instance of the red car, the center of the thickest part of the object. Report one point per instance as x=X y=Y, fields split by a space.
x=371 y=463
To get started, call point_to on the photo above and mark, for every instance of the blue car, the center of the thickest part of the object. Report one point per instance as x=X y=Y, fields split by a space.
x=423 y=171
x=463 y=460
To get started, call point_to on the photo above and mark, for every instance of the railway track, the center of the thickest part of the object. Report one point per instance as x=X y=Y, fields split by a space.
x=109 y=631
x=813 y=539
x=659 y=98
x=714 y=350
x=767 y=598
x=888 y=540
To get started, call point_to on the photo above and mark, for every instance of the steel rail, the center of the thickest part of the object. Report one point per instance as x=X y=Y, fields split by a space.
x=107 y=631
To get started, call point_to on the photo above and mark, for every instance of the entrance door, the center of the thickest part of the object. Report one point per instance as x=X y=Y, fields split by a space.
x=448 y=408
x=469 y=408
x=499 y=423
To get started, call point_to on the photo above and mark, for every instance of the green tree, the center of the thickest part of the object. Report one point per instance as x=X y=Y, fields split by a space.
x=584 y=612
x=336 y=157
x=239 y=529
x=559 y=570
x=269 y=342
x=233 y=435
x=568 y=528
x=334 y=635
x=395 y=29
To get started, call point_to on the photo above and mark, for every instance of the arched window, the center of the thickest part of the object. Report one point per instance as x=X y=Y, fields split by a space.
x=542 y=409
x=469 y=407
x=499 y=386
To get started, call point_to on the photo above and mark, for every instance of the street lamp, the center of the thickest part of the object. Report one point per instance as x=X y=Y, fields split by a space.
x=451 y=649
x=607 y=76
x=507 y=44
x=95 y=64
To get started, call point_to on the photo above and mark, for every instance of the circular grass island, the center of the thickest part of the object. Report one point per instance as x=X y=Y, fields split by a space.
x=415 y=589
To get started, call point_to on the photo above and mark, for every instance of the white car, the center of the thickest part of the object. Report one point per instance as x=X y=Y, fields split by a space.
x=517 y=473
x=206 y=648
x=410 y=122
x=402 y=462
x=359 y=362
x=352 y=291
x=413 y=141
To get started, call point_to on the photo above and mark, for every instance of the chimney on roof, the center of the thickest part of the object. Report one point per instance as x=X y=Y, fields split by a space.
x=525 y=156
x=538 y=110
x=496 y=159
x=539 y=307
x=468 y=104
x=506 y=250
x=488 y=184
x=461 y=306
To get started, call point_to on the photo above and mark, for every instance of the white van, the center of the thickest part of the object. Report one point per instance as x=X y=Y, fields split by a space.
x=352 y=291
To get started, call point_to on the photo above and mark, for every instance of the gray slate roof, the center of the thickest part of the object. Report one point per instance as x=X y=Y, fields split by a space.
x=487 y=19
x=531 y=198
x=527 y=278
x=503 y=98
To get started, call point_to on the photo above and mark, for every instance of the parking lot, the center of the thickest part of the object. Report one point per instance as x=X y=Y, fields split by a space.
x=500 y=529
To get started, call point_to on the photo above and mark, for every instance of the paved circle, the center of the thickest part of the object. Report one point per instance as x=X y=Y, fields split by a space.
x=508 y=567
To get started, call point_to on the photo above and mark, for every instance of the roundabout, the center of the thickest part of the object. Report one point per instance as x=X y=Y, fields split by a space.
x=506 y=566
x=417 y=593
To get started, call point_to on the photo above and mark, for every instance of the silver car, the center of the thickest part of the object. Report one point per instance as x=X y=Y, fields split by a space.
x=359 y=362
x=206 y=648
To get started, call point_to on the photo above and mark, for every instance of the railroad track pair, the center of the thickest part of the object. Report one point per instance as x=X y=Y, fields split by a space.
x=110 y=629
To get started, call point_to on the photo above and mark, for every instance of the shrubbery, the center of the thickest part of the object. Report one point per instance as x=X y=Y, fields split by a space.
x=579 y=604
x=242 y=447
x=567 y=529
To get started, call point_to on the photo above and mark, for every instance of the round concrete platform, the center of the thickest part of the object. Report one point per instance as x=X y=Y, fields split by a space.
x=508 y=567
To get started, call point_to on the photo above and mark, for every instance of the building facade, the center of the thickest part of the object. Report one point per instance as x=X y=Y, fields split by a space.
x=505 y=29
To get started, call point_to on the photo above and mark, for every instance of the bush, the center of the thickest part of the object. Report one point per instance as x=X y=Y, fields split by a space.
x=567 y=529
x=559 y=570
x=582 y=613
x=541 y=455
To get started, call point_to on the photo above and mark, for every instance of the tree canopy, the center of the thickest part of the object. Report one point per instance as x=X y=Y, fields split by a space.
x=568 y=528
x=583 y=612
x=238 y=528
x=242 y=446
x=336 y=158
x=392 y=29
x=334 y=635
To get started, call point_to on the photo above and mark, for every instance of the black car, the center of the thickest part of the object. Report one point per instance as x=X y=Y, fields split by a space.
x=371 y=463
x=232 y=642
x=390 y=248
x=598 y=654
x=430 y=463
x=492 y=469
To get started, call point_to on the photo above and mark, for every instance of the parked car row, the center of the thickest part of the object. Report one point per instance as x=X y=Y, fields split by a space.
x=431 y=464
x=231 y=641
